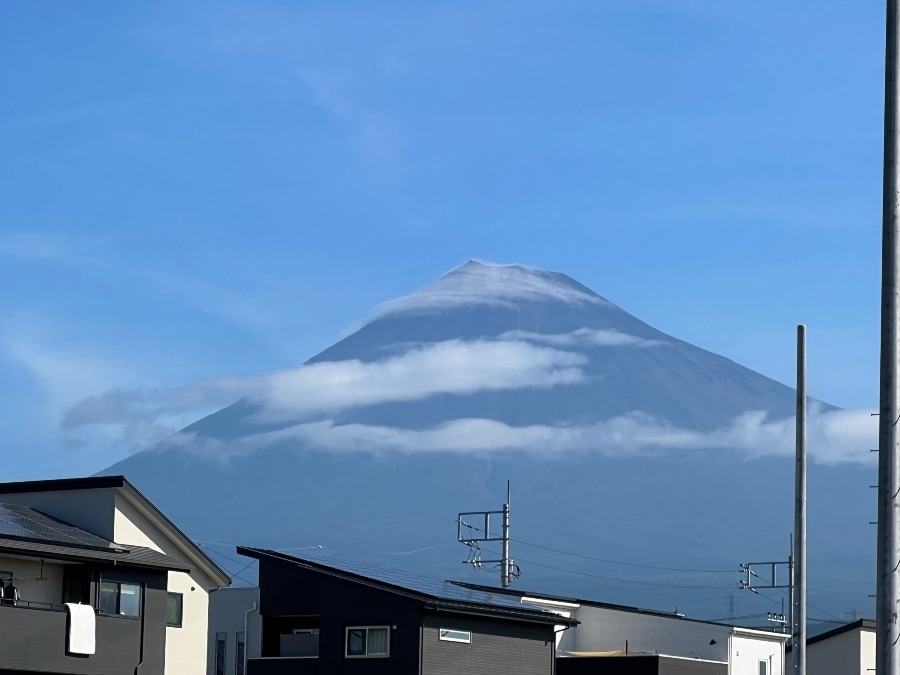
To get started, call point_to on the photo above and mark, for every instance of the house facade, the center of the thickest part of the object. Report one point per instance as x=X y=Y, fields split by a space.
x=234 y=630
x=608 y=629
x=97 y=543
x=846 y=650
x=335 y=617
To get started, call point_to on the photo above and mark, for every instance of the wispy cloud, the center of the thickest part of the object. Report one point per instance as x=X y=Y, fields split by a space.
x=834 y=438
x=583 y=337
x=478 y=283
x=450 y=367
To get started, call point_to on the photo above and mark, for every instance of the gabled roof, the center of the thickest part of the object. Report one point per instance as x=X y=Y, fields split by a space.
x=435 y=594
x=124 y=488
x=28 y=532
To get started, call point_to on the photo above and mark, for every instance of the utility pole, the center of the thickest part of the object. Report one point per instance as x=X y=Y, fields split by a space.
x=798 y=590
x=765 y=576
x=504 y=566
x=473 y=535
x=888 y=584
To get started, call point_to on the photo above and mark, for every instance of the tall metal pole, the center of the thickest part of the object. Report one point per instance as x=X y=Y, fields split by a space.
x=504 y=565
x=888 y=585
x=791 y=596
x=798 y=584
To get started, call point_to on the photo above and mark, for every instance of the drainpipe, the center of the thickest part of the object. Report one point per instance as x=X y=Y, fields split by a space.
x=143 y=618
x=247 y=635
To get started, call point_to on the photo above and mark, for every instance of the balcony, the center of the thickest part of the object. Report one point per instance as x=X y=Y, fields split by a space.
x=284 y=665
x=33 y=637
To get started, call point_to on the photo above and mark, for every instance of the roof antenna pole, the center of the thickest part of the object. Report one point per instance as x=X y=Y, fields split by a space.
x=887 y=593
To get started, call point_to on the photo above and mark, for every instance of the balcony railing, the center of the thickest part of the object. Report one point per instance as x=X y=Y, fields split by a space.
x=283 y=665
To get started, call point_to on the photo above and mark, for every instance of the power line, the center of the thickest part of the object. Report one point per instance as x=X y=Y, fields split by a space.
x=620 y=562
x=616 y=579
x=613 y=562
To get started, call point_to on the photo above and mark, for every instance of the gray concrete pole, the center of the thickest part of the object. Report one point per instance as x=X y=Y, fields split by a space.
x=798 y=585
x=888 y=553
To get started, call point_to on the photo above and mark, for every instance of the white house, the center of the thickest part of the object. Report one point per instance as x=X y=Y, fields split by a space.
x=608 y=629
x=846 y=650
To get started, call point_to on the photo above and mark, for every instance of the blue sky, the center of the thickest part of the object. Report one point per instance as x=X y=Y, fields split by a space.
x=198 y=190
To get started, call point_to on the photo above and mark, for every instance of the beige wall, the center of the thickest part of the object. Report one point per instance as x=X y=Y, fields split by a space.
x=27 y=575
x=185 y=646
x=850 y=653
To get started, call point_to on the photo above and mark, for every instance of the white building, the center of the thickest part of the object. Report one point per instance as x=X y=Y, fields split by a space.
x=846 y=650
x=607 y=629
x=235 y=627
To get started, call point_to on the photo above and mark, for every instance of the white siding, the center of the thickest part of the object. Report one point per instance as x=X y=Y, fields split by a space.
x=228 y=612
x=606 y=629
x=849 y=653
x=185 y=646
x=748 y=651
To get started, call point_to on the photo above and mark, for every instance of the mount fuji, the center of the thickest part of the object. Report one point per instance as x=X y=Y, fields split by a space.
x=643 y=469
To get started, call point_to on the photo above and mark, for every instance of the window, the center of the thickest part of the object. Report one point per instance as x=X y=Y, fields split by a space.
x=451 y=635
x=363 y=642
x=239 y=654
x=220 y=653
x=119 y=598
x=174 y=609
x=763 y=667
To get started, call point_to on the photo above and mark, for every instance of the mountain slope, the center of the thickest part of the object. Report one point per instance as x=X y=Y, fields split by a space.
x=623 y=443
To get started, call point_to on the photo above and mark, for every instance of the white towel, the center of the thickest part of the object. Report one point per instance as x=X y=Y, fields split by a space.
x=82 y=629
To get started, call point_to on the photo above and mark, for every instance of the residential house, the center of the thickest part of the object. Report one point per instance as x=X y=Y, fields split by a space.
x=106 y=583
x=234 y=630
x=334 y=617
x=606 y=629
x=845 y=650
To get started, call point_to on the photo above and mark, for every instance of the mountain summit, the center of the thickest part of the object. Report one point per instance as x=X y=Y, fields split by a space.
x=621 y=441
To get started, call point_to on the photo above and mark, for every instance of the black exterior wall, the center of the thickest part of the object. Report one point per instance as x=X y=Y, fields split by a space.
x=499 y=646
x=289 y=590
x=637 y=665
x=34 y=640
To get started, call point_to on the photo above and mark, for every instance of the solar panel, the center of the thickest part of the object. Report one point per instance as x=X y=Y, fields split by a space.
x=443 y=590
x=25 y=523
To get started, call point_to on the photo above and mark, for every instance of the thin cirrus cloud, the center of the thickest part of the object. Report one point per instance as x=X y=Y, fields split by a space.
x=835 y=437
x=583 y=337
x=449 y=367
x=474 y=283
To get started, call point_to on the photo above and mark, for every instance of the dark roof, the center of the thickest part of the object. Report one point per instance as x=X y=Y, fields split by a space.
x=133 y=556
x=847 y=627
x=115 y=482
x=437 y=594
x=22 y=522
x=27 y=531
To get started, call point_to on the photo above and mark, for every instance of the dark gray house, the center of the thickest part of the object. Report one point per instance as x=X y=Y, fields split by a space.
x=335 y=617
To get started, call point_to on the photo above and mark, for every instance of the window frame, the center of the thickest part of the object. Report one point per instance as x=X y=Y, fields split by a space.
x=118 y=611
x=763 y=667
x=221 y=654
x=367 y=655
x=240 y=652
x=180 y=596
x=443 y=634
